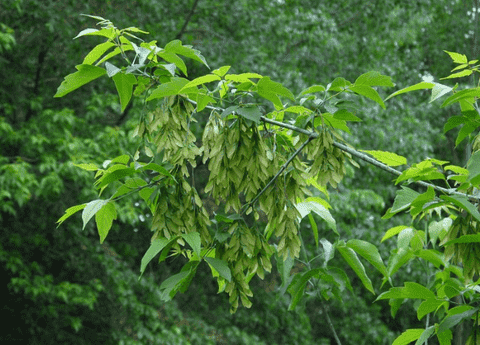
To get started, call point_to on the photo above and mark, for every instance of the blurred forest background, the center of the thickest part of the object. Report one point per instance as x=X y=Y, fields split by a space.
x=62 y=287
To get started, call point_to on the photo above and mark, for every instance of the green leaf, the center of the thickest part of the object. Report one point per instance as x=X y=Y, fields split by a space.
x=87 y=166
x=393 y=231
x=462 y=202
x=243 y=78
x=124 y=84
x=296 y=290
x=297 y=109
x=158 y=168
x=439 y=90
x=428 y=306
x=203 y=100
x=173 y=58
x=341 y=278
x=312 y=89
x=432 y=256
x=392 y=293
x=426 y=334
x=108 y=33
x=395 y=305
x=313 y=224
x=200 y=81
x=456 y=57
x=111 y=69
x=168 y=89
x=70 y=211
x=368 y=92
x=388 y=158
x=97 y=52
x=473 y=167
x=135 y=29
x=338 y=84
x=221 y=71
x=420 y=86
x=369 y=252
x=220 y=266
x=453 y=320
x=123 y=159
x=465 y=132
x=445 y=338
x=284 y=268
x=351 y=258
x=404 y=199
x=425 y=170
x=414 y=290
x=374 y=78
x=404 y=238
x=176 y=47
x=313 y=204
x=464 y=94
x=104 y=219
x=193 y=239
x=222 y=218
x=408 y=336
x=250 y=113
x=270 y=90
x=420 y=201
x=91 y=209
x=328 y=251
x=397 y=259
x=460 y=74
x=85 y=74
x=330 y=120
x=465 y=239
x=297 y=286
x=345 y=115
x=155 y=247
x=171 y=285
x=121 y=171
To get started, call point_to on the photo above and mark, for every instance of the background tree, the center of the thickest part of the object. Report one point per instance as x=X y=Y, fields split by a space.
x=38 y=182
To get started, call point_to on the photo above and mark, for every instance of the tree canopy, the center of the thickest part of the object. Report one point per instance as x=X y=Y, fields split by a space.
x=251 y=174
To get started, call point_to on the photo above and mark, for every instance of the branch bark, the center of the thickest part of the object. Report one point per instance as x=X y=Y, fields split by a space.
x=187 y=20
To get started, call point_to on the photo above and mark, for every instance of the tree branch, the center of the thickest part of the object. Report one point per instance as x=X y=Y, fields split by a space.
x=187 y=20
x=360 y=155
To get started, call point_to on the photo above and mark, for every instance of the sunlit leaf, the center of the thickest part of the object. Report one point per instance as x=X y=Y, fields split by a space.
x=420 y=86
x=70 y=211
x=91 y=209
x=104 y=219
x=388 y=158
x=124 y=84
x=351 y=258
x=85 y=74
x=369 y=252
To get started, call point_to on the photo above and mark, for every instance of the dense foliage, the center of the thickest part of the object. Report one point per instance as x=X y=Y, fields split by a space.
x=259 y=171
x=64 y=286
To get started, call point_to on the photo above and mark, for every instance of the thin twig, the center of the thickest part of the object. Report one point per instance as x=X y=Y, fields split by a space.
x=187 y=20
x=284 y=166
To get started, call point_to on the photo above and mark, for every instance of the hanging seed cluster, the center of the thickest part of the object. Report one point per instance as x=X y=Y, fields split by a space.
x=466 y=253
x=240 y=161
x=328 y=161
x=169 y=125
x=179 y=211
x=278 y=203
x=245 y=250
